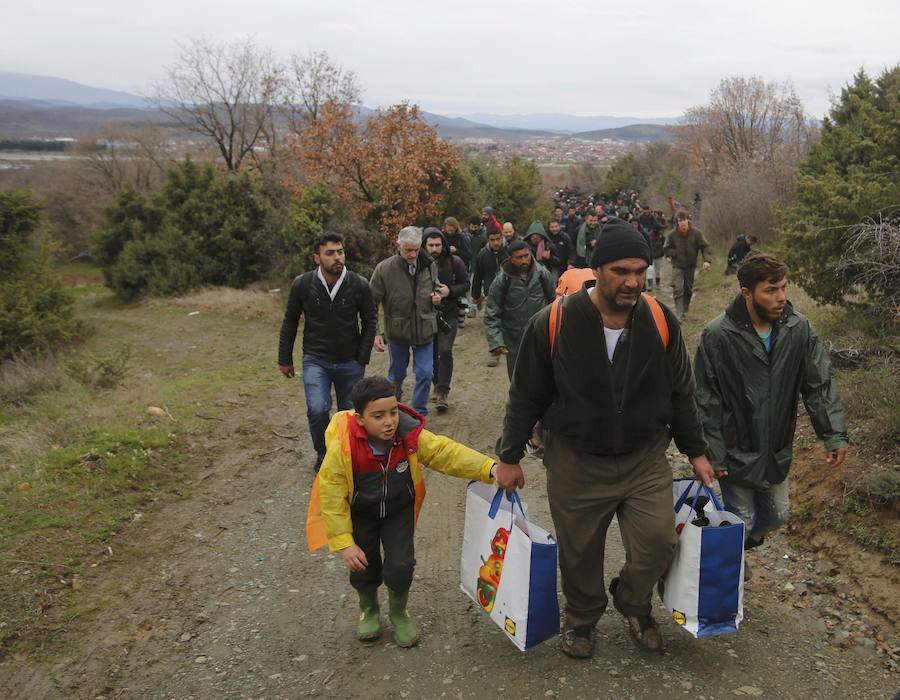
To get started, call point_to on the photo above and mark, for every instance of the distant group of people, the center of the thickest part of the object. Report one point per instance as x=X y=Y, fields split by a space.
x=599 y=373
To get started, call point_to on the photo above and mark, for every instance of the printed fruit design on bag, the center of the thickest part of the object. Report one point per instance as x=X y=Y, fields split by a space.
x=489 y=574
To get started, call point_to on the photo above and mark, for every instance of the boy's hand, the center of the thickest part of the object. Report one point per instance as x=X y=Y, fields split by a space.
x=508 y=476
x=354 y=558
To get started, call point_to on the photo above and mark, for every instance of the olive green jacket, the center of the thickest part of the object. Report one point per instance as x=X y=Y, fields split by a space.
x=409 y=316
x=748 y=397
x=512 y=301
x=684 y=249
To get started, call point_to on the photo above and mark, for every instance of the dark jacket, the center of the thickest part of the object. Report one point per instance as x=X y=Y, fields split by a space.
x=409 y=316
x=740 y=250
x=451 y=270
x=565 y=249
x=748 y=397
x=485 y=268
x=570 y=225
x=573 y=393
x=657 y=241
x=512 y=301
x=477 y=241
x=461 y=241
x=684 y=249
x=337 y=331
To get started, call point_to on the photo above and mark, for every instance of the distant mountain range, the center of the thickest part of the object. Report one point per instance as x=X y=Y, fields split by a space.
x=63 y=93
x=36 y=105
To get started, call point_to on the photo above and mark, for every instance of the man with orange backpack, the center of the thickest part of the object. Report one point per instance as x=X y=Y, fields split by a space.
x=606 y=371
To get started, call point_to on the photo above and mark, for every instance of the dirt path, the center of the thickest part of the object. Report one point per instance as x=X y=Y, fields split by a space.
x=217 y=597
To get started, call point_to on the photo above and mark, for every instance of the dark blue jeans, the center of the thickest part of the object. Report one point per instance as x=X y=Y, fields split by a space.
x=318 y=377
x=423 y=368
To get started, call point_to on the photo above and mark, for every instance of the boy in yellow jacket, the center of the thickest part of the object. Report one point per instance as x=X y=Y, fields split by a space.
x=368 y=493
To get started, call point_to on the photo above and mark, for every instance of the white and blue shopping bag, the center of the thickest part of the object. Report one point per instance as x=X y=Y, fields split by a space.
x=704 y=587
x=508 y=566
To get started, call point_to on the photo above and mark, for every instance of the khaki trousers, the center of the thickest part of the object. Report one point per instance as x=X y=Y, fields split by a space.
x=585 y=492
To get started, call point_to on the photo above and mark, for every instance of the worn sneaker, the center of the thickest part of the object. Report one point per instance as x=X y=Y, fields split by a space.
x=434 y=395
x=578 y=642
x=441 y=402
x=643 y=629
x=645 y=632
x=493 y=360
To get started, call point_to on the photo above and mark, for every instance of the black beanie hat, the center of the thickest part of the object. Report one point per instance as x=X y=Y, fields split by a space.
x=618 y=240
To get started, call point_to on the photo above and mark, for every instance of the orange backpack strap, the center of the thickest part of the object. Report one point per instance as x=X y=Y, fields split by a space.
x=659 y=317
x=556 y=314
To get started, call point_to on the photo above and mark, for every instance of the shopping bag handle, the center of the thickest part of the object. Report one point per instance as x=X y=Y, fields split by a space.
x=511 y=496
x=702 y=487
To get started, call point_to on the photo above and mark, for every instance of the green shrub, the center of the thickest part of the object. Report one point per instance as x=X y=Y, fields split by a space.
x=202 y=228
x=101 y=371
x=36 y=312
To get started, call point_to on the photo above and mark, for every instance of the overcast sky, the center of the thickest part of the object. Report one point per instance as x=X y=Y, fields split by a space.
x=653 y=58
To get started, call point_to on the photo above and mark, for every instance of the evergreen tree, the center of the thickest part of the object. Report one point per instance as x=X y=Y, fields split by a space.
x=851 y=175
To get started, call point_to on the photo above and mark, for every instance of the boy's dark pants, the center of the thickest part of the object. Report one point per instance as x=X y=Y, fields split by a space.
x=395 y=534
x=585 y=492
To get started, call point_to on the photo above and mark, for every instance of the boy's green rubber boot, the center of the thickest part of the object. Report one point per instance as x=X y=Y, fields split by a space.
x=369 y=627
x=405 y=633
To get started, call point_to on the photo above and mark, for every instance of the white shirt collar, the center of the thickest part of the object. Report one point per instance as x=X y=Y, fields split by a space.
x=337 y=285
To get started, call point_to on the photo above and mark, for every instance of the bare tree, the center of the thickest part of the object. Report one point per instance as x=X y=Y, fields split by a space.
x=120 y=155
x=314 y=79
x=747 y=121
x=871 y=259
x=225 y=92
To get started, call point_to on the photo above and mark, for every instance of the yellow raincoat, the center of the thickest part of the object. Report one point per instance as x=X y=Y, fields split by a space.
x=328 y=517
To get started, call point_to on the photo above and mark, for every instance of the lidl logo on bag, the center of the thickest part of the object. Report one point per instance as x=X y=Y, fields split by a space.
x=510 y=626
x=679 y=617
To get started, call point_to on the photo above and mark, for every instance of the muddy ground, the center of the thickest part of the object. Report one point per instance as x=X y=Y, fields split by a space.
x=216 y=596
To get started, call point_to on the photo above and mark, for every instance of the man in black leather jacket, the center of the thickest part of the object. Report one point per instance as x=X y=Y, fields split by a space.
x=337 y=336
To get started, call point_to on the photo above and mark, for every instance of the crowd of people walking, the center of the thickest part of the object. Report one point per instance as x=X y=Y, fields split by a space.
x=600 y=380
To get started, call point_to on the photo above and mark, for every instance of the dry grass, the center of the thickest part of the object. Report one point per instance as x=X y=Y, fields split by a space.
x=246 y=303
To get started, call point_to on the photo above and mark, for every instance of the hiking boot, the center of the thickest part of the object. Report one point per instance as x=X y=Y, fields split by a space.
x=369 y=626
x=493 y=361
x=578 y=642
x=441 y=402
x=643 y=629
x=645 y=632
x=405 y=633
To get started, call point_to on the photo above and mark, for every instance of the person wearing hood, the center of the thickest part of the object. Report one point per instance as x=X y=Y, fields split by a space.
x=488 y=217
x=520 y=290
x=682 y=247
x=753 y=363
x=452 y=285
x=611 y=384
x=405 y=286
x=543 y=250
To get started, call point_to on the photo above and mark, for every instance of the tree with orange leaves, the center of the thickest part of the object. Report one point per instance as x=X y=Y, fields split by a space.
x=391 y=171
